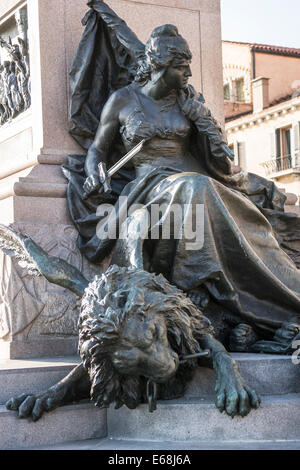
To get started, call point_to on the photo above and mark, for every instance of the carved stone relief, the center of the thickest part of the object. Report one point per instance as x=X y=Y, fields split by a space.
x=15 y=91
x=31 y=307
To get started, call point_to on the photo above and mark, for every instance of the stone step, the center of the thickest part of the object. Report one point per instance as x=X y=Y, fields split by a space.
x=32 y=376
x=126 y=445
x=274 y=377
x=267 y=374
x=278 y=418
x=69 y=423
x=178 y=424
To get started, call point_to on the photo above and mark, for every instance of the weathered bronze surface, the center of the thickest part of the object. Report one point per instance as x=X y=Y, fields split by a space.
x=160 y=304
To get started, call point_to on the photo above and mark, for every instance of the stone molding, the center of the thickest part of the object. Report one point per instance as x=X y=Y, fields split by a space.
x=267 y=114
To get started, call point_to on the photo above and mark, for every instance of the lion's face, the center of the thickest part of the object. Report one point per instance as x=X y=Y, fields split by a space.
x=134 y=325
x=143 y=348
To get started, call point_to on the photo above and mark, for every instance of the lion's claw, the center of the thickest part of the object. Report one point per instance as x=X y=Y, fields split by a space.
x=237 y=400
x=34 y=406
x=232 y=394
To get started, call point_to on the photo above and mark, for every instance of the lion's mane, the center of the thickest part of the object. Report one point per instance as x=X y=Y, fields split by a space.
x=118 y=294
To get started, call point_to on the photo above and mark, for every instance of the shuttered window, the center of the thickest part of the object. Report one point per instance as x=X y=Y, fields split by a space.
x=240 y=90
x=227 y=92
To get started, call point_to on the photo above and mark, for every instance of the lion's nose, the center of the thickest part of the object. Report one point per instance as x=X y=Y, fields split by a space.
x=169 y=370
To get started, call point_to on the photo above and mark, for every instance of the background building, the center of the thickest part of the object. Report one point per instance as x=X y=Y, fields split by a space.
x=262 y=110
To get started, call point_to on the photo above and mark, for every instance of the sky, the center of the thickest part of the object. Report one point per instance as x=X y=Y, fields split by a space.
x=275 y=22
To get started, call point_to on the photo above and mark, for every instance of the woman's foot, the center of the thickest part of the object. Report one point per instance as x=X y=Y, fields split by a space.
x=199 y=297
x=282 y=342
x=242 y=338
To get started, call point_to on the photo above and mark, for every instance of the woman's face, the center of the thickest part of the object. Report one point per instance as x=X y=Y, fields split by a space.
x=177 y=74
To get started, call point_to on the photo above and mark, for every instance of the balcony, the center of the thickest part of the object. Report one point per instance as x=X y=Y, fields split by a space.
x=279 y=165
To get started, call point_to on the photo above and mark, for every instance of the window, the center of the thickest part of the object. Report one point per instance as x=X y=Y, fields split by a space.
x=239 y=88
x=235 y=90
x=227 y=92
x=283 y=149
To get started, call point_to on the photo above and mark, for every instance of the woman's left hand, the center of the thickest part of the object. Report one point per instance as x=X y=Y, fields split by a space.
x=227 y=151
x=192 y=108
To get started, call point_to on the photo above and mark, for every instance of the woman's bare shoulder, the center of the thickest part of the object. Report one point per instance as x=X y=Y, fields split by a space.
x=121 y=96
x=117 y=101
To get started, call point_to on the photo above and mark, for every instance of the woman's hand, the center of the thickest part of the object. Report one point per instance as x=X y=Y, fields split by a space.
x=227 y=152
x=97 y=182
x=91 y=185
x=192 y=108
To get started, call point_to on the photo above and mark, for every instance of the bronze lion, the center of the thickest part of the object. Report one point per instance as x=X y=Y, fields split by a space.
x=136 y=331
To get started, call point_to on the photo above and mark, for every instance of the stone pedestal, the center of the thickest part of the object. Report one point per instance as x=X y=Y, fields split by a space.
x=36 y=318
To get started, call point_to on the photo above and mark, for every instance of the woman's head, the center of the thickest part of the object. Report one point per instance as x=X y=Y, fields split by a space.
x=165 y=48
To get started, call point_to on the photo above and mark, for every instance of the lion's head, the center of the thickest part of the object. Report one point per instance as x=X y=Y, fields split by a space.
x=135 y=326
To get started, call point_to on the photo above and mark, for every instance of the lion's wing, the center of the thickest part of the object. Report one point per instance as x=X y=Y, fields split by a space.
x=38 y=263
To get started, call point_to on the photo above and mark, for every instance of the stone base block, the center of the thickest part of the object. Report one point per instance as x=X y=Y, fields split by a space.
x=294 y=209
x=268 y=374
x=34 y=349
x=39 y=319
x=32 y=376
x=74 y=422
x=126 y=445
x=199 y=420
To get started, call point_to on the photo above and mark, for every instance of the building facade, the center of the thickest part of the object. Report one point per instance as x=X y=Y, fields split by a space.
x=262 y=110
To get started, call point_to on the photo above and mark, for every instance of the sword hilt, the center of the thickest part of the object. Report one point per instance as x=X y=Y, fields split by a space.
x=104 y=177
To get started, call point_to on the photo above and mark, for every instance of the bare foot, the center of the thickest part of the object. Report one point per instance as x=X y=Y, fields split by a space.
x=242 y=338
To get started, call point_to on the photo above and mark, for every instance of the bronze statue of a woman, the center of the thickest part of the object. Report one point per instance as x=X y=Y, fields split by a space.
x=243 y=270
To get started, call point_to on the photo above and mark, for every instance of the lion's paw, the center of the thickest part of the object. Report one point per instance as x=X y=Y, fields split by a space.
x=34 y=406
x=232 y=394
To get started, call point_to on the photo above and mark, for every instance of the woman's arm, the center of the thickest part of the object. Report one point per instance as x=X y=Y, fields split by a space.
x=207 y=125
x=108 y=128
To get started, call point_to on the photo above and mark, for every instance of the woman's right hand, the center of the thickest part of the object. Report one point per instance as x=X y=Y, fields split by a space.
x=97 y=182
x=91 y=185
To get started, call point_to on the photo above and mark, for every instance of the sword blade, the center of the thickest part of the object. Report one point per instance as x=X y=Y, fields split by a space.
x=126 y=158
